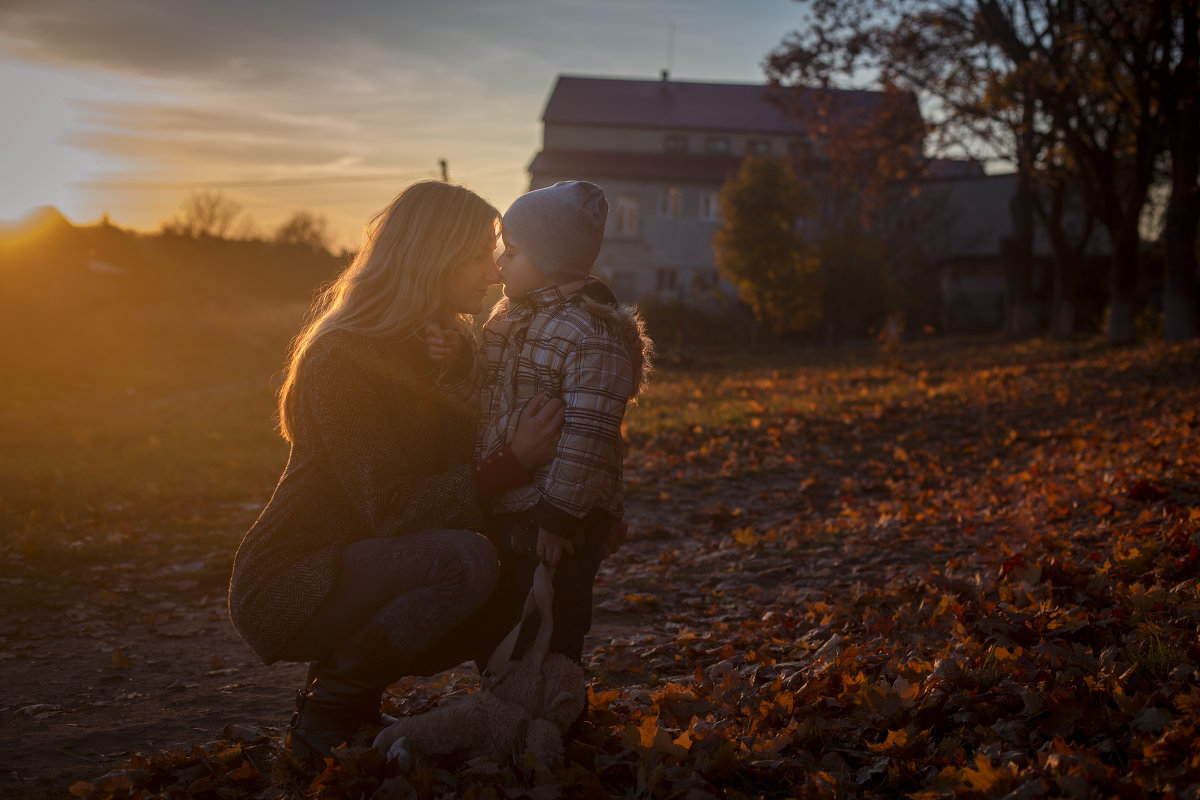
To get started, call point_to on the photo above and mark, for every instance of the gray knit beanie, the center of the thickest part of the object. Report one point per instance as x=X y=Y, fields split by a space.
x=560 y=227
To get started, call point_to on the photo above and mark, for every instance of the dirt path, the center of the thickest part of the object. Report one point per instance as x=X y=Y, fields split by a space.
x=150 y=662
x=149 y=666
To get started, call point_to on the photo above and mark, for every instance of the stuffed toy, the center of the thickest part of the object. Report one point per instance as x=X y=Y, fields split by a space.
x=524 y=706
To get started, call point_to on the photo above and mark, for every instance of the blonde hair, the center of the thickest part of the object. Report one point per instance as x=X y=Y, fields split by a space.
x=395 y=284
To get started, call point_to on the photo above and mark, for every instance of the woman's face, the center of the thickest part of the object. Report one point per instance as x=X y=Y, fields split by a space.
x=468 y=283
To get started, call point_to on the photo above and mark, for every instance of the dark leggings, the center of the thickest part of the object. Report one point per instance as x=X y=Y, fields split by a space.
x=414 y=588
x=574 y=578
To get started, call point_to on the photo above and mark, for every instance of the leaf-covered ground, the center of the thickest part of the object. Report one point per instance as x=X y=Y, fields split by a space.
x=971 y=575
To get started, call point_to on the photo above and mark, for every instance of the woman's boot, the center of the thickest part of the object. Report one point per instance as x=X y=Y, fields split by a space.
x=328 y=713
x=342 y=694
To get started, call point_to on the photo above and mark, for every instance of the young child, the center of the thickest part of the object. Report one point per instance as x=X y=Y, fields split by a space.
x=559 y=331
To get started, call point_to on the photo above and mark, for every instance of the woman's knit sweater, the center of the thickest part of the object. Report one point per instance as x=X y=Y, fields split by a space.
x=376 y=451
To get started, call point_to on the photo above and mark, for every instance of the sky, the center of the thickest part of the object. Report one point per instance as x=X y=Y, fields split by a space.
x=124 y=107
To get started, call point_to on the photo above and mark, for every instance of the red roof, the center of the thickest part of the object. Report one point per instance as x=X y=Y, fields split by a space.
x=645 y=166
x=684 y=104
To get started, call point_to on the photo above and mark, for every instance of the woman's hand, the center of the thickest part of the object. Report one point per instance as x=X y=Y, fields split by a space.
x=551 y=546
x=535 y=442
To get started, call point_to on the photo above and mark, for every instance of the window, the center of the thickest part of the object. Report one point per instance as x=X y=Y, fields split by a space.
x=710 y=201
x=716 y=144
x=670 y=203
x=758 y=147
x=665 y=280
x=675 y=143
x=625 y=215
x=706 y=280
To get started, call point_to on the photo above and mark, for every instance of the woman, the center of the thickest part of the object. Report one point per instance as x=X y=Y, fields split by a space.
x=367 y=554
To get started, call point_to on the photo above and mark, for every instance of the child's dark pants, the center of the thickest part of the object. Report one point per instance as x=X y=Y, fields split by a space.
x=515 y=537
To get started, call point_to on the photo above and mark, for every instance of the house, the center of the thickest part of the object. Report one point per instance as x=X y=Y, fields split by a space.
x=975 y=210
x=661 y=149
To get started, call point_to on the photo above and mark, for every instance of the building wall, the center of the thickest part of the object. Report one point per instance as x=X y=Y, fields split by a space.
x=655 y=140
x=981 y=216
x=973 y=292
x=959 y=222
x=665 y=257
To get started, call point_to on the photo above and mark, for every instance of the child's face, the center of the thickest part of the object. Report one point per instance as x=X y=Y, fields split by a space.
x=518 y=274
x=468 y=283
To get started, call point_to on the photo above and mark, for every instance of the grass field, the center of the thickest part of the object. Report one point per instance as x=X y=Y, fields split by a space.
x=138 y=413
x=144 y=424
x=139 y=432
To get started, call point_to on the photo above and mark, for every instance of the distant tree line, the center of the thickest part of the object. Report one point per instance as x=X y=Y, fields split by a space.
x=215 y=215
x=1094 y=103
x=49 y=266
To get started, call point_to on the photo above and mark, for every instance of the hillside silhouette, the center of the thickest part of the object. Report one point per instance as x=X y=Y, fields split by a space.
x=100 y=306
x=45 y=255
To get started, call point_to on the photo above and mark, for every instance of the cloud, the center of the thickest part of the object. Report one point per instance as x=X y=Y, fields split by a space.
x=169 y=120
x=254 y=45
x=266 y=87
x=170 y=39
x=352 y=96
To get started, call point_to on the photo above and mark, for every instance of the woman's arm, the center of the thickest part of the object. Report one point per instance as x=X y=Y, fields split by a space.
x=534 y=442
x=348 y=410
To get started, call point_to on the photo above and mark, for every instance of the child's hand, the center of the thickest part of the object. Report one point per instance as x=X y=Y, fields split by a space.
x=551 y=546
x=615 y=537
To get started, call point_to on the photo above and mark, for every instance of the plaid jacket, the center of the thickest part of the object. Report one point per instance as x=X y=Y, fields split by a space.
x=573 y=341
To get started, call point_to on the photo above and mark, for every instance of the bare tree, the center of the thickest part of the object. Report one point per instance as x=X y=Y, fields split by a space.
x=304 y=229
x=1093 y=65
x=1022 y=78
x=932 y=50
x=206 y=213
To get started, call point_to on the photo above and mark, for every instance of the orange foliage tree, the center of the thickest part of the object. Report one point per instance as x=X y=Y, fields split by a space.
x=758 y=247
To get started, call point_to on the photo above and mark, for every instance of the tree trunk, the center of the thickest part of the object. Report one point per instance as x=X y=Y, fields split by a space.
x=1181 y=320
x=1069 y=259
x=1122 y=284
x=1067 y=269
x=1020 y=317
x=1062 y=323
x=1069 y=263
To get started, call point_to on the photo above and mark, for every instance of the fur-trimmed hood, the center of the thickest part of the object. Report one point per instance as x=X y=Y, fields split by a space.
x=594 y=298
